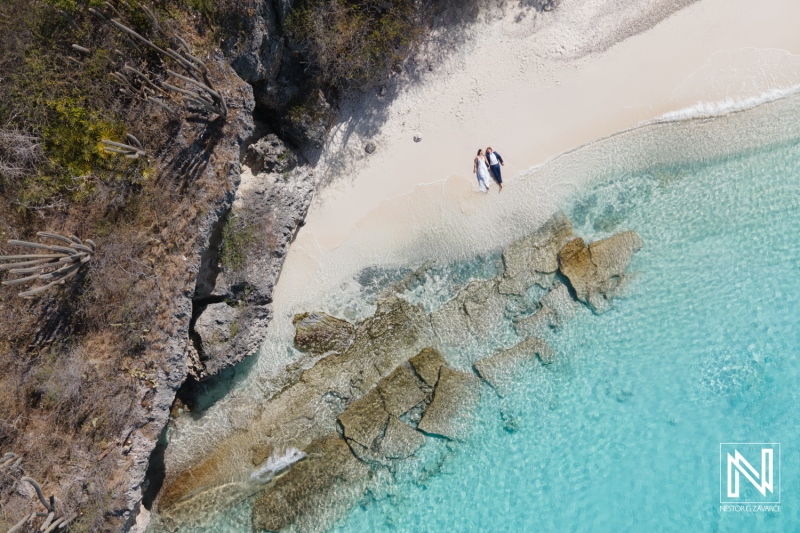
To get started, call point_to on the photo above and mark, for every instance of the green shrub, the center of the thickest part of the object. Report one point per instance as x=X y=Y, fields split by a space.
x=238 y=238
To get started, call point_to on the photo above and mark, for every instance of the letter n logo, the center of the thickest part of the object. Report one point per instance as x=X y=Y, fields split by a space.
x=749 y=472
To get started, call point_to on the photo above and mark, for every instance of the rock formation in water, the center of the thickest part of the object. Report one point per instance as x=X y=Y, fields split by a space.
x=534 y=259
x=319 y=333
x=556 y=309
x=597 y=271
x=455 y=395
x=381 y=388
x=504 y=368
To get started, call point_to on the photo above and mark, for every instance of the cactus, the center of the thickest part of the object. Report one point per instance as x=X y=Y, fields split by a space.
x=10 y=460
x=131 y=152
x=39 y=492
x=57 y=264
x=151 y=16
x=203 y=96
x=53 y=520
x=160 y=103
x=144 y=78
x=211 y=101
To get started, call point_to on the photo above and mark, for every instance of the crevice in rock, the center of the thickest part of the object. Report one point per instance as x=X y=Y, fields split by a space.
x=156 y=471
x=209 y=261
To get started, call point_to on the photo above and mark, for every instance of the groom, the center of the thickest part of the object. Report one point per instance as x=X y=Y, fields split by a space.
x=495 y=160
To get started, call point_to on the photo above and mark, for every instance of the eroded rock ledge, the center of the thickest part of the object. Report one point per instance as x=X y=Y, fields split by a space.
x=383 y=388
x=233 y=294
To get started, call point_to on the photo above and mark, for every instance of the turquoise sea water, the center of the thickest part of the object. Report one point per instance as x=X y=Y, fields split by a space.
x=623 y=433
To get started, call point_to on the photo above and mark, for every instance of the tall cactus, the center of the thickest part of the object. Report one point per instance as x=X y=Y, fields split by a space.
x=55 y=265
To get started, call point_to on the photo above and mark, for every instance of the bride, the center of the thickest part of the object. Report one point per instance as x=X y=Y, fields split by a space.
x=480 y=167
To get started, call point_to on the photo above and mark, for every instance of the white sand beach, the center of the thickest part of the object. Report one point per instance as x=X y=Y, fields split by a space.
x=532 y=85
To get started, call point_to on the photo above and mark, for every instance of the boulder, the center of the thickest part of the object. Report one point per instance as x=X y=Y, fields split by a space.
x=597 y=271
x=319 y=333
x=400 y=391
x=504 y=369
x=427 y=364
x=269 y=154
x=215 y=326
x=534 y=259
x=456 y=394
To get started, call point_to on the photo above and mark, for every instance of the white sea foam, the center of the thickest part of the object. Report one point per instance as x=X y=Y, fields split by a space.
x=726 y=106
x=277 y=464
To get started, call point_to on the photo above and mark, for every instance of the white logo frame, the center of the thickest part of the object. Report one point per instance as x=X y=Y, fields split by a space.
x=736 y=460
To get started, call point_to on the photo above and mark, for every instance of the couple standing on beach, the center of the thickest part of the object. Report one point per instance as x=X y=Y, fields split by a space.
x=482 y=165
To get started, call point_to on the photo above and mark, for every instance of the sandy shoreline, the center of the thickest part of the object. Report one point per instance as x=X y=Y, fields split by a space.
x=548 y=92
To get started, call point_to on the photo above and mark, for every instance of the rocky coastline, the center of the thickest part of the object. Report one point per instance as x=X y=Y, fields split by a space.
x=383 y=387
x=223 y=318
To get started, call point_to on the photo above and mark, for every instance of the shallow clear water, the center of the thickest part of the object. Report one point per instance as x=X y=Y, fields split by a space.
x=623 y=432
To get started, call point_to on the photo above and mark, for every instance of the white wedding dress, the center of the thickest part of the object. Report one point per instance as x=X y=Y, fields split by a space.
x=483 y=175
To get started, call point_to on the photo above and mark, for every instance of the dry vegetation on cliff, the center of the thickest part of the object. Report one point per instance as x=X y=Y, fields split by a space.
x=80 y=365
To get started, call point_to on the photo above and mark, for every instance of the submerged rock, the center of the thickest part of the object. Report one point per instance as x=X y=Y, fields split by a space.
x=365 y=419
x=389 y=338
x=504 y=369
x=597 y=271
x=557 y=308
x=312 y=487
x=476 y=311
x=538 y=323
x=400 y=391
x=455 y=396
x=400 y=441
x=427 y=364
x=561 y=302
x=534 y=259
x=319 y=333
